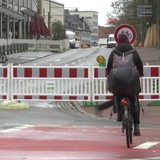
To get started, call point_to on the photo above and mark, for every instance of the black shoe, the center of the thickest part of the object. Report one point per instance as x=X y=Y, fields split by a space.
x=136 y=130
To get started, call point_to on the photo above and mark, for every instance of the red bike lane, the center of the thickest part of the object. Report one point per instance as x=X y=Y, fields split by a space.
x=77 y=143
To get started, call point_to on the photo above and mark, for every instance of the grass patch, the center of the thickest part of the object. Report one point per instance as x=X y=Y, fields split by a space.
x=154 y=103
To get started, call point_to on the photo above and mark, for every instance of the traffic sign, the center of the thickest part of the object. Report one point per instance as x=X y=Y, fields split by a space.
x=101 y=60
x=144 y=10
x=144 y=7
x=126 y=29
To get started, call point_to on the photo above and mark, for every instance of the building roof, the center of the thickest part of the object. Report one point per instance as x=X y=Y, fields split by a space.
x=80 y=24
x=103 y=32
x=84 y=11
x=54 y=1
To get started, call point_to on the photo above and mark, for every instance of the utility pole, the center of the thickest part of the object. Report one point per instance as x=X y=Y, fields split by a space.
x=49 y=17
x=39 y=7
x=135 y=11
x=158 y=23
x=142 y=26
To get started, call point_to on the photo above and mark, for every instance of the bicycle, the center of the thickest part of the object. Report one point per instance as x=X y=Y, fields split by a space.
x=127 y=121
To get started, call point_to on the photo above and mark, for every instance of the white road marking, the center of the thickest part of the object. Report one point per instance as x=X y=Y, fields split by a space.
x=73 y=62
x=14 y=129
x=148 y=158
x=56 y=60
x=146 y=145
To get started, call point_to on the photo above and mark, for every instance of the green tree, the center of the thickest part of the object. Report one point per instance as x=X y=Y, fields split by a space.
x=58 y=30
x=127 y=12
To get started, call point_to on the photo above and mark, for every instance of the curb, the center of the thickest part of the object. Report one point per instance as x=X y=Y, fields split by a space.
x=22 y=61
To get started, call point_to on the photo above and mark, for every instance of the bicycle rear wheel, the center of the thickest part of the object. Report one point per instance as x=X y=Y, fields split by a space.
x=129 y=130
x=128 y=133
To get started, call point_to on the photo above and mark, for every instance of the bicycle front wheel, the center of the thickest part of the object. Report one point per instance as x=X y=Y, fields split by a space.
x=128 y=133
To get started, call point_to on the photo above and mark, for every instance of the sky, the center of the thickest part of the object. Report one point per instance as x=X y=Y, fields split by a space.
x=100 y=6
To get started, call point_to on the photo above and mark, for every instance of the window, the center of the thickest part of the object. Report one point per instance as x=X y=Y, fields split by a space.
x=15 y=2
x=4 y=3
x=25 y=4
x=74 y=25
x=10 y=1
x=29 y=3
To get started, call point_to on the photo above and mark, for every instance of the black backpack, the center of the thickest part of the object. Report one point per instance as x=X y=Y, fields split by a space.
x=124 y=78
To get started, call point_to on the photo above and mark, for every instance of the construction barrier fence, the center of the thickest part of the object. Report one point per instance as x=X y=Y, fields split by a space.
x=68 y=83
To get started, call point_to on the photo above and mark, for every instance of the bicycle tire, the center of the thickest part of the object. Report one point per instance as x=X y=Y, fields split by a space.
x=128 y=134
x=128 y=130
x=131 y=125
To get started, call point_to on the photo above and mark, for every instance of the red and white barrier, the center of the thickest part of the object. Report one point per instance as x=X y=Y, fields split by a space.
x=150 y=84
x=152 y=71
x=50 y=72
x=4 y=82
x=69 y=83
x=51 y=83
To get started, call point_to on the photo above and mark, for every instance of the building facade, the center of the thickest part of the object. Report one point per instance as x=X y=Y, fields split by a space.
x=15 y=18
x=91 y=18
x=52 y=11
x=79 y=27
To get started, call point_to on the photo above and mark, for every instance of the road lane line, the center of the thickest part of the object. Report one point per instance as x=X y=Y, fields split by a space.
x=56 y=60
x=148 y=158
x=14 y=129
x=146 y=145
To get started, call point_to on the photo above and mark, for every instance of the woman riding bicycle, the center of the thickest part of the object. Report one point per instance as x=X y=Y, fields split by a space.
x=123 y=47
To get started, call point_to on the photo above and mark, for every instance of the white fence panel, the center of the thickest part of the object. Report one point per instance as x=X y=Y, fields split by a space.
x=150 y=84
x=150 y=88
x=50 y=83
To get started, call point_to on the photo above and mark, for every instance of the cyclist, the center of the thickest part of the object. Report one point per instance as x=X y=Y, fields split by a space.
x=124 y=46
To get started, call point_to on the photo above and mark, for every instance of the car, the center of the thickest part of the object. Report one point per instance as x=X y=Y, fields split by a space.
x=111 y=41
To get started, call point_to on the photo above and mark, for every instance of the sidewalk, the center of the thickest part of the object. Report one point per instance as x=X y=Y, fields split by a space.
x=19 y=58
x=151 y=115
x=150 y=56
